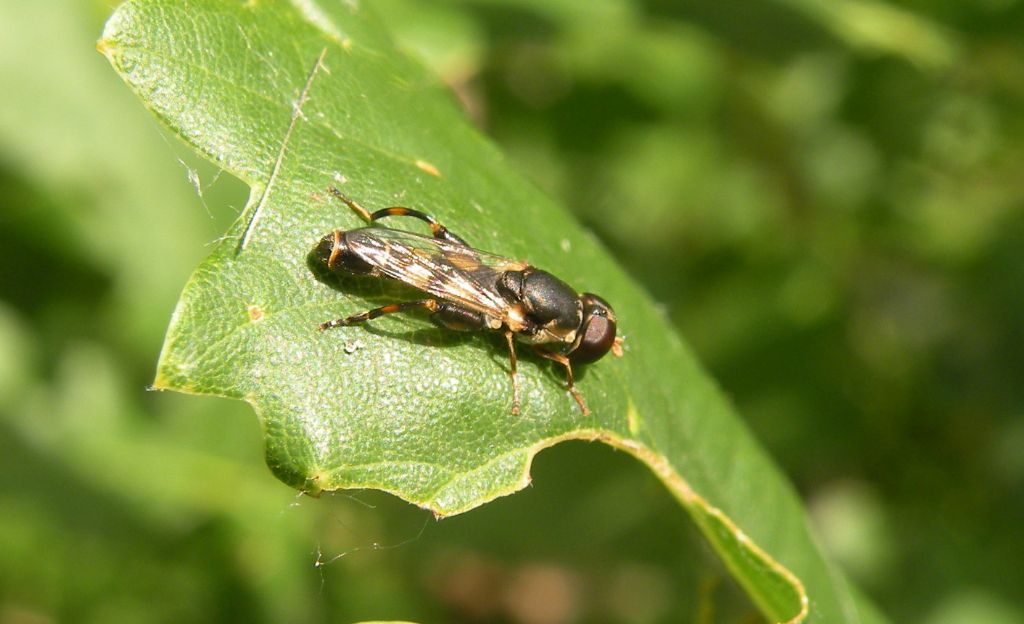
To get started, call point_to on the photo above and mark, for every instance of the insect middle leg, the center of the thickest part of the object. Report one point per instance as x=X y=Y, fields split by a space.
x=460 y=319
x=443 y=314
x=570 y=384
x=438 y=230
x=512 y=367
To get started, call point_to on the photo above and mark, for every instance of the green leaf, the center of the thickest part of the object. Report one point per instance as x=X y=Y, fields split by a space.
x=295 y=97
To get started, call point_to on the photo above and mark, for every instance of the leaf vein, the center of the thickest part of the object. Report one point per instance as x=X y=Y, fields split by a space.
x=296 y=115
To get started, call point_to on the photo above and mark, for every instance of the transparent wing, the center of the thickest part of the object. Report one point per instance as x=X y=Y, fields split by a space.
x=446 y=270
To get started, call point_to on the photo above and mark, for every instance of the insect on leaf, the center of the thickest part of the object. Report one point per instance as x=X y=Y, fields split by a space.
x=296 y=97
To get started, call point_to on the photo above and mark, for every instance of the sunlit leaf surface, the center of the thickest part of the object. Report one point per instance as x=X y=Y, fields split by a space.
x=294 y=98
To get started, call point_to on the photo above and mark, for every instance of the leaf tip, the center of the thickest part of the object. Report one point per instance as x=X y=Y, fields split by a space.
x=107 y=44
x=163 y=381
x=169 y=376
x=106 y=47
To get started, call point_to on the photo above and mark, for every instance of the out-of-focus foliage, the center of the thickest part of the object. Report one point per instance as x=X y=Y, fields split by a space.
x=833 y=217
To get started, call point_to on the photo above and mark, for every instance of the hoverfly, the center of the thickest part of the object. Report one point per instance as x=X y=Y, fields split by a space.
x=473 y=290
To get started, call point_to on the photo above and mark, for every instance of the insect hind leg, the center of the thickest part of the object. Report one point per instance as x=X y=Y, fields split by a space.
x=438 y=230
x=369 y=315
x=363 y=213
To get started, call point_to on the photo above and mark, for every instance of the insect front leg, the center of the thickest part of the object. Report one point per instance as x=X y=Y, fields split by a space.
x=438 y=230
x=570 y=384
x=369 y=315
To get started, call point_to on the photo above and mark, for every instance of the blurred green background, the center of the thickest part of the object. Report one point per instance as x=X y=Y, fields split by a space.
x=826 y=196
